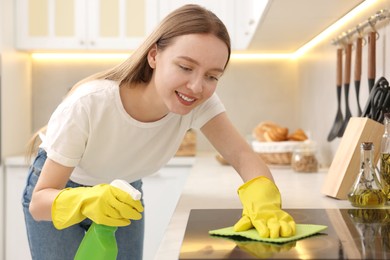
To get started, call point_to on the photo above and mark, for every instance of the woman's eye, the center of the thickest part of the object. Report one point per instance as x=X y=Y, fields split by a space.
x=184 y=68
x=211 y=77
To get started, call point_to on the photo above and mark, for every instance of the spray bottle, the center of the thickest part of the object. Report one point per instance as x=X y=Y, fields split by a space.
x=99 y=243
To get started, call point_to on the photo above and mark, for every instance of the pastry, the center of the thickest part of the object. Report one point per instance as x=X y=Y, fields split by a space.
x=298 y=135
x=276 y=134
x=261 y=129
x=269 y=131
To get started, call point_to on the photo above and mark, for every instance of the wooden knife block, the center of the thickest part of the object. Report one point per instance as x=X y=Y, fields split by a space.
x=346 y=162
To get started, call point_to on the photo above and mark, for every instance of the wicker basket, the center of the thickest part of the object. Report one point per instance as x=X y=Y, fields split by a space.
x=277 y=153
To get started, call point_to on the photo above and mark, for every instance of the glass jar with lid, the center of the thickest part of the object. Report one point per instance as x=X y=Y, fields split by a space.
x=304 y=158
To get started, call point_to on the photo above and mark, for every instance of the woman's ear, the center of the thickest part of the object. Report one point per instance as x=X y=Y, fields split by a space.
x=152 y=56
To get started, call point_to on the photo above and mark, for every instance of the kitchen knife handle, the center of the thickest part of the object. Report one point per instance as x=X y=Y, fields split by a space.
x=358 y=59
x=339 y=67
x=371 y=55
x=347 y=72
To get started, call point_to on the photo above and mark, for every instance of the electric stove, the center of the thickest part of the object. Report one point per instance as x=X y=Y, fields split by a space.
x=351 y=234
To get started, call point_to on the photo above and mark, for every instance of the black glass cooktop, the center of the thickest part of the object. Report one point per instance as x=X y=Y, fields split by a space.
x=351 y=234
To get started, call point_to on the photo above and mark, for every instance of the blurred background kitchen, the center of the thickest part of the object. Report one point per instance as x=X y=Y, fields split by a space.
x=283 y=66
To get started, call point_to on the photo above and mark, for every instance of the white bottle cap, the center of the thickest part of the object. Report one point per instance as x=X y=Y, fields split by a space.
x=125 y=186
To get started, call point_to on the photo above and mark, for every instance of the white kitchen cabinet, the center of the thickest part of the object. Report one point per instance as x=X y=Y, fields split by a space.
x=16 y=243
x=2 y=212
x=247 y=17
x=84 y=24
x=239 y=16
x=222 y=8
x=117 y=25
x=161 y=194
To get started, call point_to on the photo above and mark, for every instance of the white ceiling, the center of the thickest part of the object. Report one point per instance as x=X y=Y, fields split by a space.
x=288 y=24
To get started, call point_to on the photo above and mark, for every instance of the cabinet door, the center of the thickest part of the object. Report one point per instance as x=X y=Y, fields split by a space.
x=222 y=8
x=16 y=242
x=239 y=16
x=50 y=24
x=247 y=15
x=120 y=24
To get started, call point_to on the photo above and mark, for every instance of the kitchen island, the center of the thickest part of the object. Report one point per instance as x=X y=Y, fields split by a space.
x=211 y=185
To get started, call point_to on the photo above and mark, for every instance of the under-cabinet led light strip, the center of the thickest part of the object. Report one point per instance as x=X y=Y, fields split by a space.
x=334 y=27
x=79 y=56
x=235 y=55
x=123 y=56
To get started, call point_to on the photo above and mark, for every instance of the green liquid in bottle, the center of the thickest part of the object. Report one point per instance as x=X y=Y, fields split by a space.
x=385 y=173
x=367 y=191
x=367 y=198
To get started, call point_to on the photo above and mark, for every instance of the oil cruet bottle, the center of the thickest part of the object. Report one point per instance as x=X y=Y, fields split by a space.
x=385 y=157
x=367 y=190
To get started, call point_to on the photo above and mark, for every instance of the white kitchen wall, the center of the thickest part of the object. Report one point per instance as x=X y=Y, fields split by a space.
x=52 y=79
x=256 y=91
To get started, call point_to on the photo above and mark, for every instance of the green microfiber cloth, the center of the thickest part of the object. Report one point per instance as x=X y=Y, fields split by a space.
x=302 y=231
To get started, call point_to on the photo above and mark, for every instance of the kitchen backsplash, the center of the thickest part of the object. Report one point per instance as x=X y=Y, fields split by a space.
x=252 y=91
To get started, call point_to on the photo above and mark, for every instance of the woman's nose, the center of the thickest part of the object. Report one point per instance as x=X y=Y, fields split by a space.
x=196 y=84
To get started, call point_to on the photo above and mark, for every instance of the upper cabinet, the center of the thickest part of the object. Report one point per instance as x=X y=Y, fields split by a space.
x=247 y=17
x=84 y=24
x=240 y=17
x=117 y=25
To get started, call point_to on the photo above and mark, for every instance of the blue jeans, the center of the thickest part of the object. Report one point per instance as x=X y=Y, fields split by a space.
x=46 y=242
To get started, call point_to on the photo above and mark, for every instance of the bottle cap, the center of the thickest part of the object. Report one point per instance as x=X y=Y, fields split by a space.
x=125 y=186
x=367 y=145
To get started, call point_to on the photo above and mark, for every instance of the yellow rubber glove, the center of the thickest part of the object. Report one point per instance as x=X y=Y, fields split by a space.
x=103 y=204
x=262 y=209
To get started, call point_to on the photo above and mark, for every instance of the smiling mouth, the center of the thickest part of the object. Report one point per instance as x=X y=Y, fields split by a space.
x=185 y=99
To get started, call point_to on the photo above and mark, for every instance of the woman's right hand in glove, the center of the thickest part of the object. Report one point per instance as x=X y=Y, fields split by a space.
x=262 y=203
x=103 y=204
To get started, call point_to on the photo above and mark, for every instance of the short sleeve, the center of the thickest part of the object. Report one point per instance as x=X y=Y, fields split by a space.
x=67 y=134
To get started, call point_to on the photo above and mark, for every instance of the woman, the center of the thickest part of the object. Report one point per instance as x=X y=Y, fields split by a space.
x=126 y=123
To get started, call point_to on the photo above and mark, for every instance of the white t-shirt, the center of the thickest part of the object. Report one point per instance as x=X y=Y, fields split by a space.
x=91 y=131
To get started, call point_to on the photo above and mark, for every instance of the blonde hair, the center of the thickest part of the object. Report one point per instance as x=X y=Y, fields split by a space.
x=188 y=19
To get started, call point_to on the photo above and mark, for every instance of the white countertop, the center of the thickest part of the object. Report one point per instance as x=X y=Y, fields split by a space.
x=16 y=161
x=21 y=161
x=211 y=185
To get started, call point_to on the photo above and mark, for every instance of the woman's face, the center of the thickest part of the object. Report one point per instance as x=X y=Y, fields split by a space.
x=186 y=73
